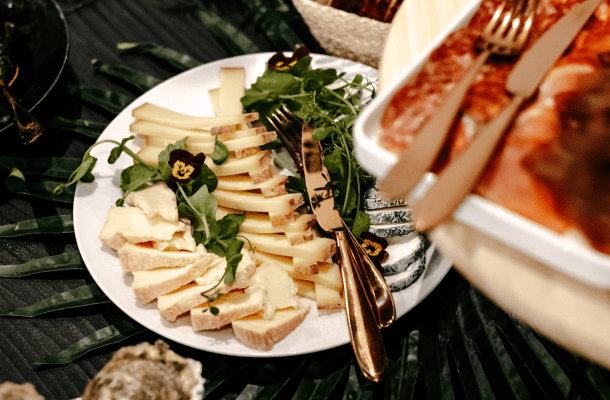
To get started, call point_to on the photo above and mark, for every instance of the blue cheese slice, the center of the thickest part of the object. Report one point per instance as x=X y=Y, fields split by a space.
x=392 y=230
x=392 y=215
x=404 y=279
x=402 y=255
x=374 y=201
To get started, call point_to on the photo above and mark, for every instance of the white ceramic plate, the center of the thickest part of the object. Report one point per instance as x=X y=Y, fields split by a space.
x=188 y=93
x=558 y=251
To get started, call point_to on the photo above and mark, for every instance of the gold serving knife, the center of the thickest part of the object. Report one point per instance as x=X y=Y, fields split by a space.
x=362 y=316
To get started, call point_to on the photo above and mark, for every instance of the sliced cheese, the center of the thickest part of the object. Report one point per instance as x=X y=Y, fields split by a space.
x=148 y=285
x=230 y=306
x=305 y=289
x=269 y=188
x=296 y=268
x=213 y=95
x=327 y=298
x=231 y=89
x=261 y=334
x=195 y=145
x=130 y=224
x=323 y=273
x=160 y=115
x=248 y=165
x=150 y=154
x=280 y=290
x=141 y=258
x=248 y=201
x=152 y=129
x=261 y=222
x=174 y=304
x=318 y=249
x=180 y=241
x=155 y=200
x=299 y=237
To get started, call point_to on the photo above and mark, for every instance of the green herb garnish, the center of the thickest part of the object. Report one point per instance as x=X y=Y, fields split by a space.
x=329 y=102
x=192 y=181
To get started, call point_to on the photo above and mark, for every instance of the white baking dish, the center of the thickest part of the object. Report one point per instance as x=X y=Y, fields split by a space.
x=561 y=252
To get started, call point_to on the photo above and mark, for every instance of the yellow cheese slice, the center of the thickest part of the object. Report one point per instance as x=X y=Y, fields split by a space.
x=327 y=298
x=248 y=201
x=318 y=249
x=274 y=186
x=247 y=165
x=160 y=115
x=230 y=90
x=230 y=306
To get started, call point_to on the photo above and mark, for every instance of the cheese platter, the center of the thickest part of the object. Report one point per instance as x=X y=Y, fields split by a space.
x=321 y=329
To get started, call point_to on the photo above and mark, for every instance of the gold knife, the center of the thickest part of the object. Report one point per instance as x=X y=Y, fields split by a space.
x=365 y=336
x=459 y=177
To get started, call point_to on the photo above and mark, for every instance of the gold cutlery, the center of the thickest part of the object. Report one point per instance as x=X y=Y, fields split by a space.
x=289 y=128
x=459 y=177
x=362 y=317
x=505 y=34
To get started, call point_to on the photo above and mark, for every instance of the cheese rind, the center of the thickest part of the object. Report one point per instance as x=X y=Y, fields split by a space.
x=327 y=298
x=244 y=182
x=230 y=306
x=172 y=305
x=261 y=334
x=148 y=285
x=248 y=201
x=253 y=164
x=261 y=222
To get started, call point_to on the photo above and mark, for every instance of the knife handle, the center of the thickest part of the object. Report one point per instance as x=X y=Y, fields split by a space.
x=365 y=336
x=416 y=160
x=378 y=292
x=457 y=180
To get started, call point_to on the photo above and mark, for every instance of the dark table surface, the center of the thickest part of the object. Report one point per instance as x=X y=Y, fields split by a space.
x=455 y=344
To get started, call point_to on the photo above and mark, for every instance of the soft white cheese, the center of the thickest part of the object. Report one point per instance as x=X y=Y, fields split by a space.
x=180 y=241
x=281 y=292
x=155 y=200
x=133 y=225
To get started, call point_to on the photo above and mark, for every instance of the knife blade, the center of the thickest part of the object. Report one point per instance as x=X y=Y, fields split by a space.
x=365 y=336
x=459 y=177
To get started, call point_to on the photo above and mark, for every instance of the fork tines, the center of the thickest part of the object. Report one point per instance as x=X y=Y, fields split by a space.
x=288 y=127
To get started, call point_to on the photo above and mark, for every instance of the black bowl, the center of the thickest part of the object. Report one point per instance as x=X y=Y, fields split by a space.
x=41 y=53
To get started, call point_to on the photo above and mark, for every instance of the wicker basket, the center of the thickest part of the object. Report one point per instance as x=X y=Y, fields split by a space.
x=344 y=34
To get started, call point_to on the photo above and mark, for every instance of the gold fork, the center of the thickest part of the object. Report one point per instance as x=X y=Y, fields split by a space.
x=505 y=34
x=289 y=128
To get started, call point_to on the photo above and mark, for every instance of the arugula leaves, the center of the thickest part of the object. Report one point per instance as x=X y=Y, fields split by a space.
x=329 y=102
